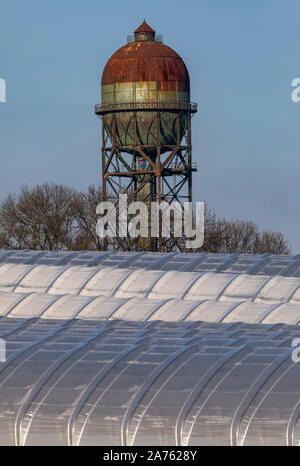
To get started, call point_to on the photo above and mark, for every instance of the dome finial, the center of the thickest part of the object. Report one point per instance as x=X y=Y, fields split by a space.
x=144 y=33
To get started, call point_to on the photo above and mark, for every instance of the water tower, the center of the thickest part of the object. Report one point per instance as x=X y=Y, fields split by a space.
x=146 y=128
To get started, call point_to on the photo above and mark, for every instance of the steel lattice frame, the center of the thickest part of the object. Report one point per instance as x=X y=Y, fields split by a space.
x=169 y=174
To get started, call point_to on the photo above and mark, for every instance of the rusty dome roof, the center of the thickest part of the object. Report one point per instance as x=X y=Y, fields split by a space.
x=144 y=27
x=145 y=61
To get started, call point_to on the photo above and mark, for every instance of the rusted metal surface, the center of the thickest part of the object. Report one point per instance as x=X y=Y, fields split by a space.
x=145 y=76
x=146 y=119
x=107 y=108
x=144 y=27
x=146 y=92
x=146 y=134
x=167 y=175
x=146 y=61
x=132 y=38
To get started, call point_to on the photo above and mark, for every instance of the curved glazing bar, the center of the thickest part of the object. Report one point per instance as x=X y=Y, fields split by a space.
x=186 y=408
x=293 y=266
x=261 y=288
x=268 y=312
x=230 y=310
x=156 y=309
x=293 y=292
x=226 y=263
x=238 y=438
x=158 y=383
x=161 y=387
x=59 y=274
x=21 y=431
x=20 y=299
x=152 y=284
x=225 y=287
x=29 y=305
x=260 y=407
x=92 y=386
x=142 y=391
x=19 y=326
x=30 y=346
x=291 y=427
x=258 y=266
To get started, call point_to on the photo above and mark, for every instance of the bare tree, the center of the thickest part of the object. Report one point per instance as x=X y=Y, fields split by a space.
x=239 y=236
x=52 y=216
x=41 y=217
x=86 y=217
x=270 y=242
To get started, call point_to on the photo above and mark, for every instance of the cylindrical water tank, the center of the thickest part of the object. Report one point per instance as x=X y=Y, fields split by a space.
x=145 y=74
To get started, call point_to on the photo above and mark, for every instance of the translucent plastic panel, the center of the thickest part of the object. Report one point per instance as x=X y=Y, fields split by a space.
x=106 y=282
x=101 y=308
x=66 y=307
x=249 y=312
x=278 y=265
x=136 y=310
x=8 y=301
x=154 y=421
x=106 y=409
x=279 y=289
x=242 y=263
x=117 y=259
x=209 y=286
x=276 y=396
x=40 y=278
x=57 y=258
x=11 y=274
x=4 y=255
x=173 y=310
x=244 y=286
x=285 y=313
x=32 y=306
x=44 y=421
x=173 y=285
x=144 y=260
x=210 y=262
x=209 y=311
x=26 y=305
x=182 y=262
x=296 y=295
x=230 y=263
x=219 y=408
x=167 y=383
x=72 y=280
x=19 y=256
x=139 y=283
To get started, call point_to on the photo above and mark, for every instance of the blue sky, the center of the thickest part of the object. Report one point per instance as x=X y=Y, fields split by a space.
x=241 y=55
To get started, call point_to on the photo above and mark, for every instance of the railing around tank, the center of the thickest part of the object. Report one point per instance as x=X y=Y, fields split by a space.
x=132 y=106
x=157 y=38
